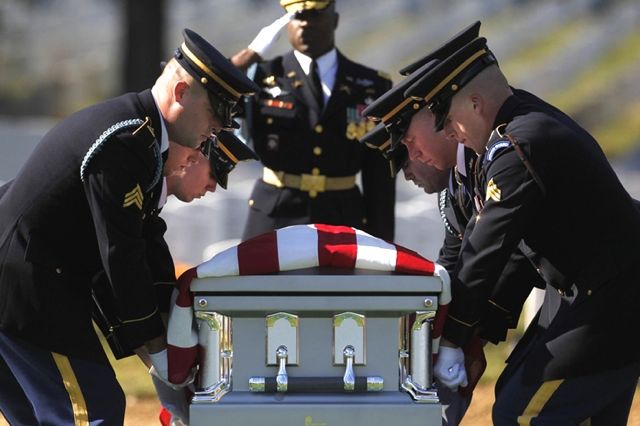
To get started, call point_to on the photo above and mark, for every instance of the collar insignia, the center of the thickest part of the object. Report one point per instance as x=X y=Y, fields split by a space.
x=134 y=197
x=493 y=192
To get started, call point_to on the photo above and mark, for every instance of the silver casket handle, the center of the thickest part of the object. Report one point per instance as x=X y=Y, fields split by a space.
x=349 y=382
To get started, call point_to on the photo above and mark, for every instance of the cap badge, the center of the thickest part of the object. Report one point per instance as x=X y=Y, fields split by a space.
x=134 y=197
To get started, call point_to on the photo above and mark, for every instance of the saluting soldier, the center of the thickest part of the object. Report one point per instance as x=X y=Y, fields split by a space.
x=543 y=179
x=305 y=124
x=78 y=206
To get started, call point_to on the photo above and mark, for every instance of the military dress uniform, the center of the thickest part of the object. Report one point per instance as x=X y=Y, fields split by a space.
x=394 y=111
x=79 y=205
x=545 y=181
x=503 y=307
x=311 y=153
x=83 y=210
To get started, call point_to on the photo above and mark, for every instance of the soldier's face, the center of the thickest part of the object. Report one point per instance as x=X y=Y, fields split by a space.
x=195 y=120
x=465 y=123
x=429 y=178
x=312 y=32
x=194 y=183
x=427 y=146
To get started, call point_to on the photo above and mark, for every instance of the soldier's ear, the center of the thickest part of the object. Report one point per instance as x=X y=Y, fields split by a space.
x=179 y=90
x=477 y=102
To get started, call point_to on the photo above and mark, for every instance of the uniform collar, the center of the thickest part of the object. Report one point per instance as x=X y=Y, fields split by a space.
x=327 y=63
x=506 y=111
x=164 y=137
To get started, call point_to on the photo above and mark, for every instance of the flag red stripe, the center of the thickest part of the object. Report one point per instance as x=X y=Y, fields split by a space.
x=410 y=262
x=259 y=255
x=337 y=246
x=184 y=288
x=181 y=361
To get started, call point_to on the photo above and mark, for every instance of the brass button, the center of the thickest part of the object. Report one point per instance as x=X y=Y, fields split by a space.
x=58 y=270
x=269 y=120
x=317 y=150
x=589 y=292
x=364 y=220
x=251 y=203
x=313 y=193
x=318 y=128
x=315 y=171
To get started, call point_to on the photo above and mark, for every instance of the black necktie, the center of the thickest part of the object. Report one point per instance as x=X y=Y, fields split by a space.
x=317 y=84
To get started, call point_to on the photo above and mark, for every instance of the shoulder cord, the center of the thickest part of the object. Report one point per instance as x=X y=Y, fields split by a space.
x=527 y=164
x=442 y=203
x=97 y=145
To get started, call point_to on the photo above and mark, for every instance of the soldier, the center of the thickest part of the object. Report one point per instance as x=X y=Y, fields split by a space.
x=536 y=179
x=79 y=205
x=305 y=126
x=406 y=135
x=225 y=152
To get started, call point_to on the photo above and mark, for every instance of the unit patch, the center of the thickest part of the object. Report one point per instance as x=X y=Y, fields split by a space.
x=495 y=148
x=493 y=192
x=134 y=197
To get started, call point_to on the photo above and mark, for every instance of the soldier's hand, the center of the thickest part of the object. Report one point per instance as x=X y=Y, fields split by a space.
x=268 y=35
x=449 y=368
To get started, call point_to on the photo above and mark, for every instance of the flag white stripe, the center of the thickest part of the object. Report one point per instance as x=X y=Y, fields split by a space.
x=223 y=264
x=374 y=253
x=297 y=247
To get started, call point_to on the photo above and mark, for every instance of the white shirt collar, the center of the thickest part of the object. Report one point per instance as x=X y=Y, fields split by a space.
x=327 y=68
x=325 y=62
x=461 y=161
x=163 y=195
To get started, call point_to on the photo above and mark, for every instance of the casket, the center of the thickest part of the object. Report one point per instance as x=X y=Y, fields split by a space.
x=316 y=346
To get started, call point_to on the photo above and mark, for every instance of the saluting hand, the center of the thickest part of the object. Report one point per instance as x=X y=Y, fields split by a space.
x=268 y=35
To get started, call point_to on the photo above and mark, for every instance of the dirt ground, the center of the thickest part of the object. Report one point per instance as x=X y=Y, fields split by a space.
x=144 y=412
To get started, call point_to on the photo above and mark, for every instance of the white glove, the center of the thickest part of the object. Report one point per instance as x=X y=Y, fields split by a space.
x=449 y=368
x=173 y=399
x=268 y=35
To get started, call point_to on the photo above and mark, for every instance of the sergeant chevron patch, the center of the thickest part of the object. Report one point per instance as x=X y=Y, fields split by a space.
x=493 y=191
x=134 y=197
